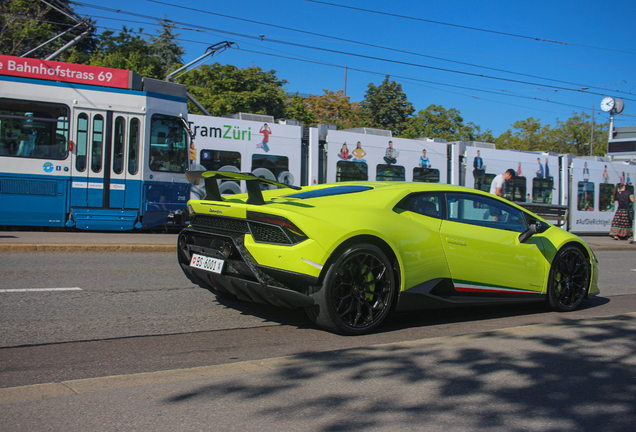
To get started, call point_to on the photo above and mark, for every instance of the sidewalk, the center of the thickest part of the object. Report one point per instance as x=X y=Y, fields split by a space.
x=86 y=241
x=80 y=241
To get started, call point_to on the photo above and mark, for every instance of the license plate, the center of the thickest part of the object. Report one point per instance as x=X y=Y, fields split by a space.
x=207 y=263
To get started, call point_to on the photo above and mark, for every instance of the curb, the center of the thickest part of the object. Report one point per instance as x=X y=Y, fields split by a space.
x=86 y=248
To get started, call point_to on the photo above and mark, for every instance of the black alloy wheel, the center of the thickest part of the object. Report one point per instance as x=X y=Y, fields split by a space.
x=569 y=279
x=357 y=293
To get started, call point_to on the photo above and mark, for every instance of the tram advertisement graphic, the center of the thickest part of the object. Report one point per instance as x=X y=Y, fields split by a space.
x=67 y=72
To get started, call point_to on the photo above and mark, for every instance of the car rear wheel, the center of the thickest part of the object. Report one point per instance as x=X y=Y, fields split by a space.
x=357 y=292
x=569 y=279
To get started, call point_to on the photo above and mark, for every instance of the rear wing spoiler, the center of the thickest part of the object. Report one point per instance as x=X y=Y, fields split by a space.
x=212 y=193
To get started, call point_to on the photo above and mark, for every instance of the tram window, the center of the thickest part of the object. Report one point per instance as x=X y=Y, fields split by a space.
x=133 y=147
x=81 y=142
x=351 y=171
x=483 y=183
x=97 y=145
x=515 y=189
x=384 y=172
x=167 y=144
x=426 y=175
x=33 y=130
x=585 y=199
x=277 y=166
x=213 y=160
x=118 y=145
x=606 y=197
x=542 y=190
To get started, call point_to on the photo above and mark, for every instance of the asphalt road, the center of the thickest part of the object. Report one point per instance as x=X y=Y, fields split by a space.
x=117 y=295
x=140 y=348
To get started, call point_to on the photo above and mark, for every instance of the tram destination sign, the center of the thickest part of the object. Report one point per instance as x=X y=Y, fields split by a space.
x=65 y=72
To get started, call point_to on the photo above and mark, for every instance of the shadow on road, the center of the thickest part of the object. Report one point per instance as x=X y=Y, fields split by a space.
x=570 y=376
x=404 y=320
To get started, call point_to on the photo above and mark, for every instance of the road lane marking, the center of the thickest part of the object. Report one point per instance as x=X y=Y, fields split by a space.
x=22 y=290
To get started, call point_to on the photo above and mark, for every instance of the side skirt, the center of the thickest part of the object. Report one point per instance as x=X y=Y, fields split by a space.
x=446 y=293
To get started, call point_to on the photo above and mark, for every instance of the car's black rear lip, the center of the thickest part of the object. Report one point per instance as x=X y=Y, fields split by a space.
x=244 y=277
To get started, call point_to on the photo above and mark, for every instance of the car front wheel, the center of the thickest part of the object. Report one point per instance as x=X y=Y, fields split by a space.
x=357 y=292
x=569 y=279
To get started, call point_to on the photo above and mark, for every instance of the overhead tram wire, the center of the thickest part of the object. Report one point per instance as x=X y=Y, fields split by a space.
x=418 y=80
x=583 y=89
x=534 y=38
x=507 y=93
x=369 y=45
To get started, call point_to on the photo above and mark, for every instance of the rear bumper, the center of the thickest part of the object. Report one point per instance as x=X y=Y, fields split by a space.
x=242 y=276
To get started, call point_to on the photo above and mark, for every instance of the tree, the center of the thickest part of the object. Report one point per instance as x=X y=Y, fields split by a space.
x=124 y=50
x=299 y=109
x=226 y=89
x=332 y=108
x=574 y=135
x=439 y=122
x=165 y=48
x=530 y=136
x=26 y=24
x=388 y=106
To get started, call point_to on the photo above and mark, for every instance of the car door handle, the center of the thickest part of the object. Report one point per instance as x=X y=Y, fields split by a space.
x=456 y=241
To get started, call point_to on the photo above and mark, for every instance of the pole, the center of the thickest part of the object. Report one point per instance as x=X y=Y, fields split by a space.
x=345 y=83
x=592 y=136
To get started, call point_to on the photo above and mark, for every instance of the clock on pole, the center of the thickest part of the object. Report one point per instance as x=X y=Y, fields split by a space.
x=607 y=104
x=611 y=105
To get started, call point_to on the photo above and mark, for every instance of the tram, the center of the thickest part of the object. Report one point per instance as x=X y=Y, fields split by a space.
x=295 y=154
x=89 y=147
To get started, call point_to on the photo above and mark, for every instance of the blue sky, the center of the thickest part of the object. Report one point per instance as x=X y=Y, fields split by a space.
x=497 y=62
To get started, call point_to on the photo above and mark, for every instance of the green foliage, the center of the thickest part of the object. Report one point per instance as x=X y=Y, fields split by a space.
x=572 y=136
x=299 y=109
x=226 y=89
x=26 y=24
x=388 y=106
x=165 y=48
x=329 y=108
x=439 y=122
x=124 y=50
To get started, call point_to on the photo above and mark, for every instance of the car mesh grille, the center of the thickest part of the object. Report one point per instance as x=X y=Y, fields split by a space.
x=268 y=234
x=228 y=224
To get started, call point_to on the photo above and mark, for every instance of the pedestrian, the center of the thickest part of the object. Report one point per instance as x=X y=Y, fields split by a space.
x=622 y=222
x=498 y=185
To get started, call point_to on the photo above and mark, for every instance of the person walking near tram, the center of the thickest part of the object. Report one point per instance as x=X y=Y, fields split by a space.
x=622 y=222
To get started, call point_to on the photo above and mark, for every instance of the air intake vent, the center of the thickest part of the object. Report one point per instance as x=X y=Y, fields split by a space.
x=227 y=224
x=268 y=234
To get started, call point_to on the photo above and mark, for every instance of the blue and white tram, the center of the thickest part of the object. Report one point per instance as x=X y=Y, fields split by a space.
x=89 y=147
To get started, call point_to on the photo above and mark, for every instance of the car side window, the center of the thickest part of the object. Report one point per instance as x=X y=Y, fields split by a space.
x=426 y=204
x=484 y=211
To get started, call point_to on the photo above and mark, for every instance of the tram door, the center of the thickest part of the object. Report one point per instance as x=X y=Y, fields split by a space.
x=91 y=144
x=124 y=179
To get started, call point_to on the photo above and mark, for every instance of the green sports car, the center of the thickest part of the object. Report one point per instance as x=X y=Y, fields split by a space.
x=351 y=253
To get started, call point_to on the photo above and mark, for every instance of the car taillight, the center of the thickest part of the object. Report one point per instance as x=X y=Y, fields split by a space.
x=266 y=228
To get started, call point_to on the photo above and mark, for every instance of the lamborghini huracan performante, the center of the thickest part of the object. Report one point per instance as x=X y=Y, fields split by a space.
x=352 y=253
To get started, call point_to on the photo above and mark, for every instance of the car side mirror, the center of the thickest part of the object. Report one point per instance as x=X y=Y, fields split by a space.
x=532 y=230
